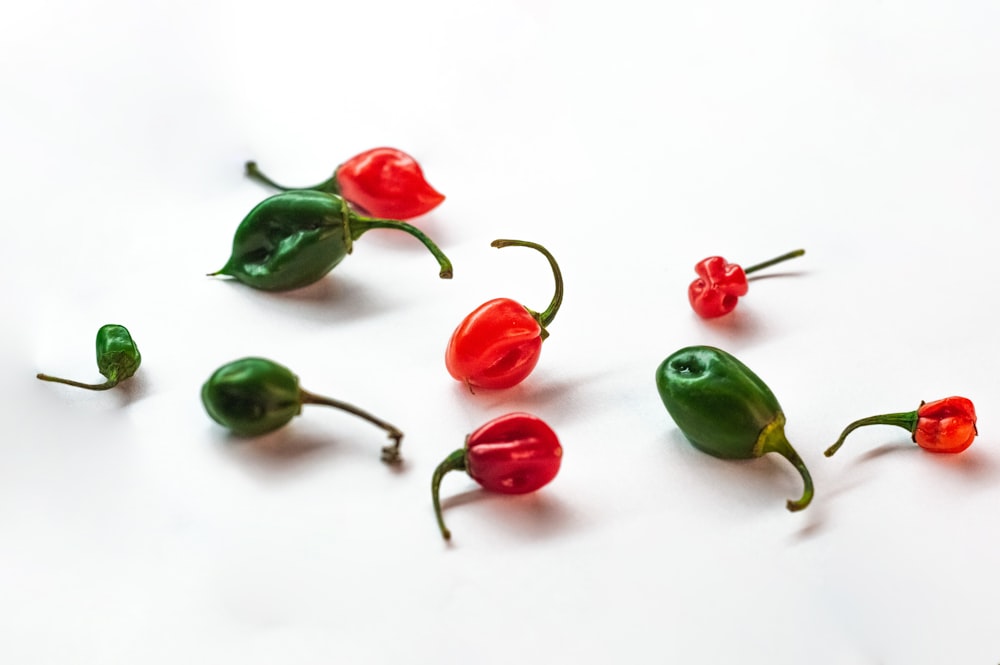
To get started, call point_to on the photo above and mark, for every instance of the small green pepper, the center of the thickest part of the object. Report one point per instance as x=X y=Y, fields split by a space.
x=118 y=358
x=294 y=238
x=725 y=410
x=254 y=396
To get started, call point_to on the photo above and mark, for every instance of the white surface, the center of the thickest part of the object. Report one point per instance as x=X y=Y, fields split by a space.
x=632 y=142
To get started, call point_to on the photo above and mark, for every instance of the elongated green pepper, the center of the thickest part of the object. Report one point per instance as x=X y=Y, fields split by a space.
x=726 y=410
x=294 y=238
x=254 y=396
x=118 y=358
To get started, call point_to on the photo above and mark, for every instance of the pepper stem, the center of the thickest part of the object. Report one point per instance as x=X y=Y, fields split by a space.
x=453 y=462
x=329 y=185
x=773 y=440
x=546 y=317
x=107 y=385
x=907 y=421
x=771 y=262
x=359 y=224
x=390 y=454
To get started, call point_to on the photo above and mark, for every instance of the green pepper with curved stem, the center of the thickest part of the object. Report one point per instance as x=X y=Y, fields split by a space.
x=294 y=238
x=726 y=410
x=118 y=359
x=254 y=396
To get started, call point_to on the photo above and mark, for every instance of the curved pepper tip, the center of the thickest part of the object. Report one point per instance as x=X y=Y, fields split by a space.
x=800 y=503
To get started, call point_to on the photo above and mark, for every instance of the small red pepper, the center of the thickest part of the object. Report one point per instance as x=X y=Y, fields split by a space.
x=498 y=344
x=945 y=426
x=720 y=284
x=382 y=182
x=513 y=454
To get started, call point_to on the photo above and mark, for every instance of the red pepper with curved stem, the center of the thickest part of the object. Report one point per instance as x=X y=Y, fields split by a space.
x=720 y=284
x=944 y=426
x=382 y=182
x=498 y=344
x=513 y=454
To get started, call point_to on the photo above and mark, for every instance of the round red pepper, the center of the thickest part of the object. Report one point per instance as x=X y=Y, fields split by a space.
x=387 y=182
x=944 y=426
x=513 y=454
x=720 y=284
x=498 y=344
x=383 y=182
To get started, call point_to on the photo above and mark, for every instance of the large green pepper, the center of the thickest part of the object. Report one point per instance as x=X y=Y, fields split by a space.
x=725 y=410
x=294 y=238
x=118 y=358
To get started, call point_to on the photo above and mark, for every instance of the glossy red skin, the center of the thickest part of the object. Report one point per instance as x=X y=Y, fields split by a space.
x=718 y=287
x=387 y=183
x=496 y=346
x=946 y=426
x=513 y=454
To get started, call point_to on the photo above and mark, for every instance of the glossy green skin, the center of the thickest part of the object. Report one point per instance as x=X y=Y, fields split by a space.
x=252 y=396
x=719 y=404
x=290 y=240
x=118 y=357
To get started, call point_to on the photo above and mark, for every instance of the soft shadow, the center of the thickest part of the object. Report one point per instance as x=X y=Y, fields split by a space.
x=884 y=450
x=277 y=450
x=739 y=325
x=536 y=394
x=530 y=517
x=763 y=483
x=816 y=522
x=289 y=448
x=134 y=389
x=753 y=277
x=972 y=465
x=332 y=299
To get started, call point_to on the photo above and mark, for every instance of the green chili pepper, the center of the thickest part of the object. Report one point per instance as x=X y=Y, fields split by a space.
x=118 y=358
x=254 y=396
x=294 y=238
x=725 y=410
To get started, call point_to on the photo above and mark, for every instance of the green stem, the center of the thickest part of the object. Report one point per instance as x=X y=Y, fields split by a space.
x=110 y=383
x=453 y=462
x=359 y=224
x=777 y=443
x=907 y=420
x=546 y=317
x=329 y=185
x=390 y=454
x=771 y=262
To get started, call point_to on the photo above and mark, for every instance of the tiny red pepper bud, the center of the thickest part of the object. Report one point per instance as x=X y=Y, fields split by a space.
x=513 y=454
x=720 y=284
x=944 y=426
x=381 y=182
x=498 y=344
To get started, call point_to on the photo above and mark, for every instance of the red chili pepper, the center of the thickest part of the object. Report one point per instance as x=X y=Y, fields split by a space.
x=513 y=454
x=944 y=426
x=498 y=344
x=383 y=182
x=720 y=284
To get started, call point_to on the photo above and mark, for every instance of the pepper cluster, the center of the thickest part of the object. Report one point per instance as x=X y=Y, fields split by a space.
x=294 y=238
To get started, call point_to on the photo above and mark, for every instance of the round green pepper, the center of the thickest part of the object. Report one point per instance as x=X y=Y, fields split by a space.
x=118 y=359
x=254 y=396
x=725 y=410
x=294 y=238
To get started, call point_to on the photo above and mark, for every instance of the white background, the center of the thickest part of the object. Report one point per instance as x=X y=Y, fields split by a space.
x=632 y=141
